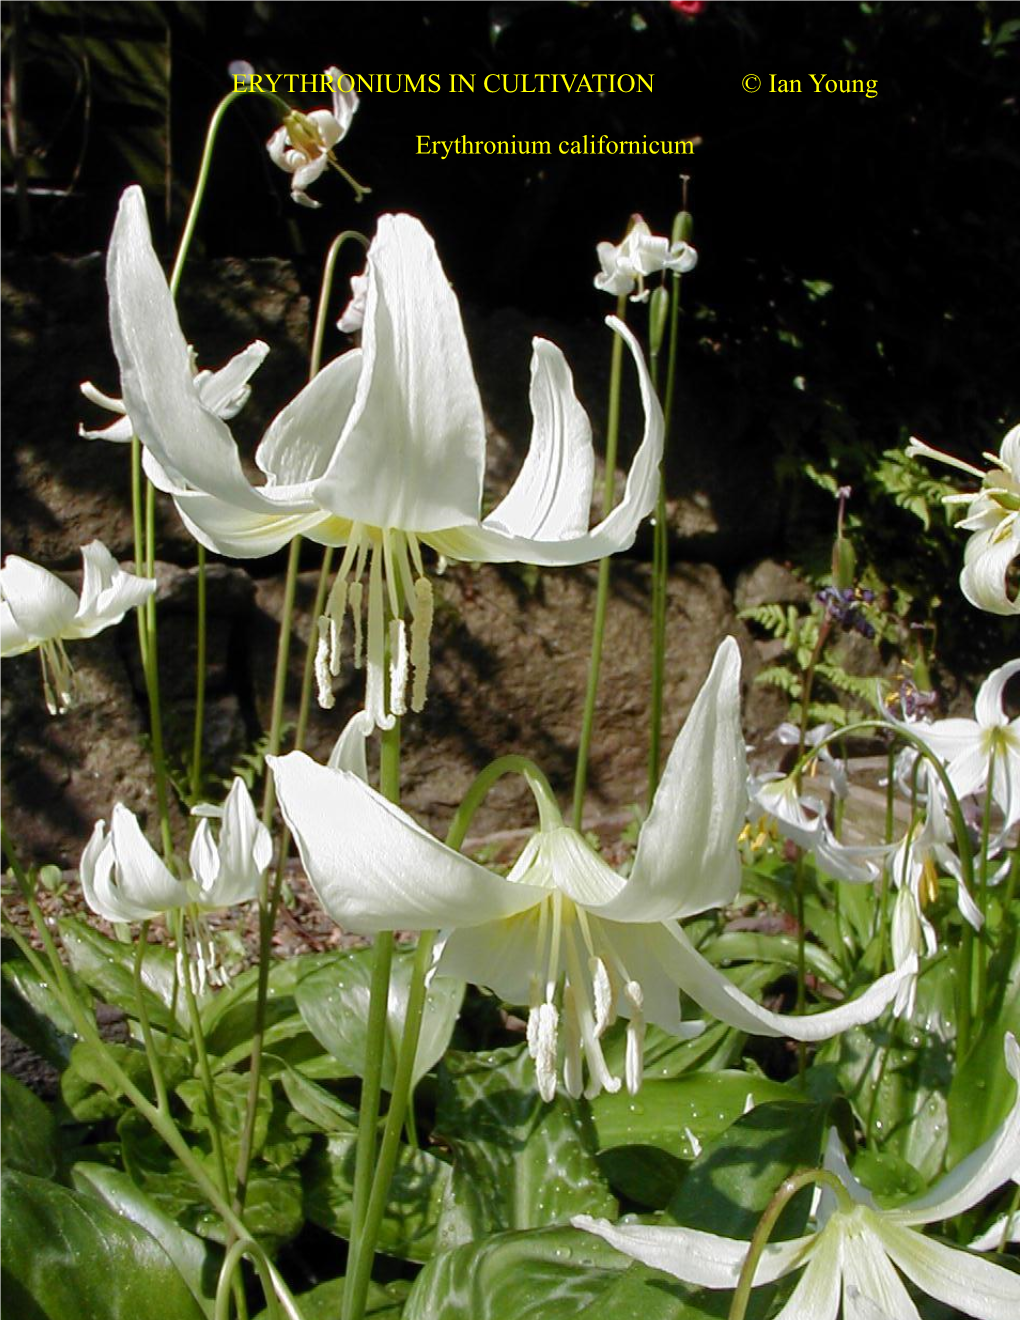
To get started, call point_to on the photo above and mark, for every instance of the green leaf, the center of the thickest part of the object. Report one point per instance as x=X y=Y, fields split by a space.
x=982 y=1092
x=408 y=1226
x=29 y=1140
x=107 y=967
x=334 y=1003
x=324 y=1302
x=230 y=1097
x=897 y=1076
x=65 y=1254
x=228 y=1018
x=197 y=1262
x=316 y=1105
x=543 y=1274
x=83 y=1085
x=682 y=1114
x=749 y=946
x=518 y=1162
x=31 y=1010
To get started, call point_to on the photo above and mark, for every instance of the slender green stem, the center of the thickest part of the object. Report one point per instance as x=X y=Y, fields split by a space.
x=602 y=589
x=230 y=1278
x=984 y=940
x=151 y=1053
x=362 y=1245
x=660 y=557
x=359 y=1276
x=786 y=1190
x=201 y=611
x=280 y=679
x=150 y=662
x=482 y=784
x=798 y=889
x=201 y=1055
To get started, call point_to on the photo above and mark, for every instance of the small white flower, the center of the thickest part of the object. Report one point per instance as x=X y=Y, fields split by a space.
x=642 y=253
x=122 y=877
x=801 y=818
x=564 y=933
x=857 y=1248
x=968 y=748
x=353 y=317
x=38 y=610
x=303 y=145
x=994 y=518
x=229 y=871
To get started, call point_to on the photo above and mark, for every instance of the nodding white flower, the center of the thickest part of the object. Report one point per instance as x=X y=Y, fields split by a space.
x=382 y=453
x=38 y=610
x=229 y=870
x=993 y=517
x=858 y=1250
x=564 y=933
x=353 y=316
x=985 y=751
x=788 y=734
x=122 y=877
x=303 y=145
x=801 y=818
x=223 y=392
x=642 y=253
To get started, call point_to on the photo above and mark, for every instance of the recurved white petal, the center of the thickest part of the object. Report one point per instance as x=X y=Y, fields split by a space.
x=817 y=1295
x=965 y=1282
x=226 y=391
x=156 y=374
x=687 y=858
x=107 y=592
x=868 y=1276
x=40 y=605
x=230 y=529
x=551 y=498
x=713 y=991
x=988 y=704
x=704 y=1259
x=374 y=867
x=143 y=878
x=499 y=955
x=349 y=749
x=301 y=439
x=412 y=454
x=13 y=638
x=988 y=557
x=489 y=543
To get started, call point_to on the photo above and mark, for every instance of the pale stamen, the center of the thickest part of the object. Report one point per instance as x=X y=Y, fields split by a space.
x=421 y=639
x=603 y=994
x=354 y=596
x=573 y=1065
x=635 y=1055
x=398 y=667
x=600 y=1078
x=60 y=684
x=323 y=676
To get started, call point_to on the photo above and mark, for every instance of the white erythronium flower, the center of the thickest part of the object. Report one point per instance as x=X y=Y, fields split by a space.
x=382 y=452
x=990 y=741
x=642 y=253
x=37 y=609
x=856 y=1246
x=229 y=871
x=223 y=392
x=994 y=518
x=801 y=818
x=788 y=734
x=122 y=877
x=564 y=933
x=303 y=145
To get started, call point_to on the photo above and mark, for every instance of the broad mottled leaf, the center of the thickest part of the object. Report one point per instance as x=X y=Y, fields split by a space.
x=682 y=1114
x=107 y=967
x=334 y=1003
x=33 y=1012
x=65 y=1254
x=982 y=1091
x=897 y=1074
x=518 y=1162
x=544 y=1274
x=316 y=1105
x=197 y=1261
x=416 y=1195
x=29 y=1139
x=83 y=1084
x=230 y=1099
x=325 y=1301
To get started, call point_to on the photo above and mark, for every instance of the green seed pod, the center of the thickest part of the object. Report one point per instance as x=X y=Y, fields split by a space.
x=844 y=563
x=683 y=227
x=658 y=315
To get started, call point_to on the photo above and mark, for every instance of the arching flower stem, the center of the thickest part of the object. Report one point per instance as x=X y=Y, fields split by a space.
x=602 y=589
x=784 y=1193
